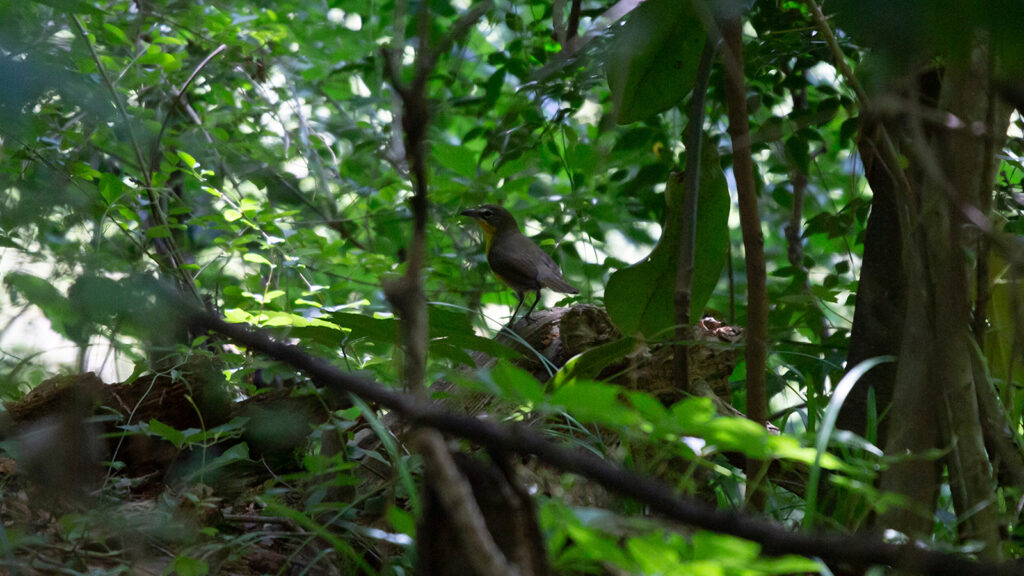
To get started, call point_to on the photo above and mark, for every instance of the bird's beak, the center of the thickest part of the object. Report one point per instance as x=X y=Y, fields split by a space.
x=471 y=213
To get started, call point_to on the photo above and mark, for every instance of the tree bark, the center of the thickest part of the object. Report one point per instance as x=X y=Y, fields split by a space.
x=753 y=239
x=935 y=358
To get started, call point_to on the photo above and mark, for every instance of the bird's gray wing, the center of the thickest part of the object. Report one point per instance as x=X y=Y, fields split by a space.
x=515 y=262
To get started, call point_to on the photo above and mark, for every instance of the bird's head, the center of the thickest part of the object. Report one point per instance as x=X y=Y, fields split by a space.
x=492 y=218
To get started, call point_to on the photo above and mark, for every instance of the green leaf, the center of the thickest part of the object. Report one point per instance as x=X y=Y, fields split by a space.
x=84 y=171
x=187 y=159
x=110 y=187
x=640 y=298
x=164 y=431
x=236 y=315
x=161 y=59
x=476 y=343
x=648 y=407
x=594 y=402
x=161 y=231
x=443 y=348
x=516 y=383
x=402 y=521
x=256 y=259
x=652 y=61
x=690 y=413
x=169 y=40
x=384 y=330
x=587 y=365
x=458 y=159
x=796 y=149
x=237 y=453
x=115 y=34
x=232 y=429
x=712 y=546
x=278 y=318
x=188 y=566
x=452 y=326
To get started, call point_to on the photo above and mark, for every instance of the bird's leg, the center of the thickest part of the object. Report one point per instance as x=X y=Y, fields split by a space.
x=535 y=300
x=522 y=297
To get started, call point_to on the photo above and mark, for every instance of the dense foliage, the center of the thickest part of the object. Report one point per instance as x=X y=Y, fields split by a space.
x=252 y=155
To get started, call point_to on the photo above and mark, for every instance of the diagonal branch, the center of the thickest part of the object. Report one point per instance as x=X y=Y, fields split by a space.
x=776 y=539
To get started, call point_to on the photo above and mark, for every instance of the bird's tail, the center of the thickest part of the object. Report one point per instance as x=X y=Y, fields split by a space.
x=558 y=284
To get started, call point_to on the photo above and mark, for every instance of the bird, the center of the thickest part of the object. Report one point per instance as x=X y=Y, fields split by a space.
x=514 y=259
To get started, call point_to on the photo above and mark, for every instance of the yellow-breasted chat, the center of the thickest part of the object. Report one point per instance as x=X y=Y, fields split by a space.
x=515 y=259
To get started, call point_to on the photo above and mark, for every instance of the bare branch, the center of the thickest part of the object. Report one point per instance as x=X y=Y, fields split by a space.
x=832 y=547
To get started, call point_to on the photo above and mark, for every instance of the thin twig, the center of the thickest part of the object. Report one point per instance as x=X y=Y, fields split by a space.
x=155 y=156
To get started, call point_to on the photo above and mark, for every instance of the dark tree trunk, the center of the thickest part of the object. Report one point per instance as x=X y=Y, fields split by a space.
x=881 y=295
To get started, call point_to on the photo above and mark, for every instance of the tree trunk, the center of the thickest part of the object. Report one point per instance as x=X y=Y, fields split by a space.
x=935 y=397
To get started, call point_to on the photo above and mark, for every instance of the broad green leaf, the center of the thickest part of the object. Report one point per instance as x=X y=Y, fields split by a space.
x=476 y=343
x=652 y=61
x=458 y=159
x=161 y=231
x=445 y=348
x=164 y=431
x=692 y=412
x=110 y=187
x=85 y=171
x=587 y=365
x=237 y=453
x=115 y=34
x=232 y=429
x=640 y=298
x=648 y=406
x=402 y=521
x=236 y=315
x=169 y=40
x=188 y=566
x=594 y=402
x=161 y=59
x=712 y=546
x=653 y=555
x=383 y=330
x=516 y=383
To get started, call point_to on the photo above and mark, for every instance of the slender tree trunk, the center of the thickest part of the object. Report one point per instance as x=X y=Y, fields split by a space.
x=753 y=239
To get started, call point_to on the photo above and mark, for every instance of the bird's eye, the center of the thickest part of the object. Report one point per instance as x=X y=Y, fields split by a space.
x=487 y=213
